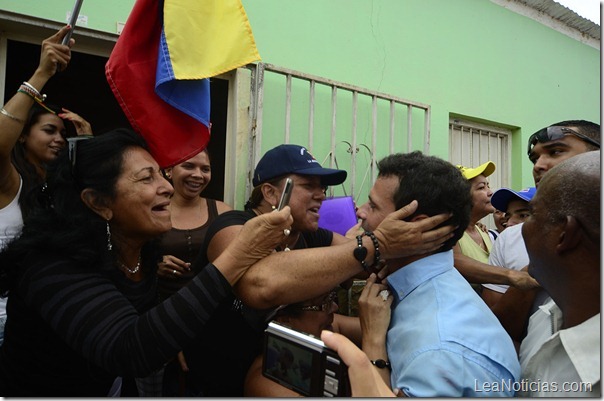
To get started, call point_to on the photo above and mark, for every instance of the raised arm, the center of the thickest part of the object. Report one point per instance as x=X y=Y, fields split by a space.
x=14 y=113
x=288 y=277
x=140 y=344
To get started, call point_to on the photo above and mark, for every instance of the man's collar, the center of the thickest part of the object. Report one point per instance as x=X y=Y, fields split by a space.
x=405 y=279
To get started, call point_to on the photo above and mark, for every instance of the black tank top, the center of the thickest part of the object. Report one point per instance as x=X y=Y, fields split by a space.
x=185 y=245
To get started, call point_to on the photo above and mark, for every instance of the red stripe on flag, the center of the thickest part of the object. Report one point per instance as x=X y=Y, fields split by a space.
x=172 y=135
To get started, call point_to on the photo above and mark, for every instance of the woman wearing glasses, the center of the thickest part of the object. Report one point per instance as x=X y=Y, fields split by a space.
x=314 y=316
x=81 y=279
x=233 y=337
x=32 y=134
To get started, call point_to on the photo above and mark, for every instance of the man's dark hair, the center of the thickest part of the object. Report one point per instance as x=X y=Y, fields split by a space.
x=436 y=184
x=587 y=128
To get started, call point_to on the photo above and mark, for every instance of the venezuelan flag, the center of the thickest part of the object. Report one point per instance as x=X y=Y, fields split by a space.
x=160 y=65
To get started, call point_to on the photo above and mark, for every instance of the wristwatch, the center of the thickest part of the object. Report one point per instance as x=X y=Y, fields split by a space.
x=380 y=363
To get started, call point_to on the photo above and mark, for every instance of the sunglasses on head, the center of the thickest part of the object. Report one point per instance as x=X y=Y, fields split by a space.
x=554 y=133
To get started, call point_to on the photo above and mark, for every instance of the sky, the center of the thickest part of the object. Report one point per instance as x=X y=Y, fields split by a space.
x=589 y=9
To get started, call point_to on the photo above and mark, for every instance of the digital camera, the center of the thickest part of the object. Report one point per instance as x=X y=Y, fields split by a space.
x=302 y=363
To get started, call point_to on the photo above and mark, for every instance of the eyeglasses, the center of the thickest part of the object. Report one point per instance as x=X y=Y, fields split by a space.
x=325 y=306
x=554 y=133
x=72 y=148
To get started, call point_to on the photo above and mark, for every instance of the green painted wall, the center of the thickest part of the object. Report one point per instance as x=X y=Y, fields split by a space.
x=103 y=15
x=470 y=58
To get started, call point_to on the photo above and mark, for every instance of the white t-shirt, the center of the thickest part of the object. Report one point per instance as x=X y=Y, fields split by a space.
x=11 y=219
x=509 y=252
x=11 y=223
x=556 y=362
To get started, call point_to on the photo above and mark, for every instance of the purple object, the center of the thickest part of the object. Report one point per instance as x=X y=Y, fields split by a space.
x=337 y=214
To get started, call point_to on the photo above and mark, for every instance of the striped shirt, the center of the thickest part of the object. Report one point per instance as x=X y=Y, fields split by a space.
x=71 y=331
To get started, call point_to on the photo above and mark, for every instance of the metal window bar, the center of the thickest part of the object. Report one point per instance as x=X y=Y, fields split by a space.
x=473 y=143
x=257 y=103
x=311 y=115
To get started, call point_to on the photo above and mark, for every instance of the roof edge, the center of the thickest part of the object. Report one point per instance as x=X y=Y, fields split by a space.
x=557 y=17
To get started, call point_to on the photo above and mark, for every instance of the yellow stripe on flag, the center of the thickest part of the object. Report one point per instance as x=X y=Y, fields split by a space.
x=207 y=37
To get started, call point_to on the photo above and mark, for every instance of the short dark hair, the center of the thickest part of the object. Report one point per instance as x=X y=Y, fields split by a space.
x=437 y=185
x=60 y=223
x=587 y=128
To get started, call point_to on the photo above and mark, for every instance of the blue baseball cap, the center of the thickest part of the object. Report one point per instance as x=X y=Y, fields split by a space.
x=294 y=159
x=502 y=197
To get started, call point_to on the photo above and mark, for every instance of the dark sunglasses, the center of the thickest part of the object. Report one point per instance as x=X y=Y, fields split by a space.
x=72 y=148
x=554 y=133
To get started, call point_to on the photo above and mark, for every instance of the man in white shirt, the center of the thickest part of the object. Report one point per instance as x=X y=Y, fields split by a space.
x=547 y=148
x=560 y=355
x=513 y=253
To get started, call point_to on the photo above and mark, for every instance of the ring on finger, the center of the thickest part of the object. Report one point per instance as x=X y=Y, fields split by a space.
x=384 y=294
x=173 y=271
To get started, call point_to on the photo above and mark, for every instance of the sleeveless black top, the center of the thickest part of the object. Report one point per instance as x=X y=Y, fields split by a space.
x=185 y=245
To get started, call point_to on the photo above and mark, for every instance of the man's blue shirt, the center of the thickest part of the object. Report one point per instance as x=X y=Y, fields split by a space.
x=443 y=340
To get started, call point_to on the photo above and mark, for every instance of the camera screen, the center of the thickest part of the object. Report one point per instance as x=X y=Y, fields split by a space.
x=289 y=363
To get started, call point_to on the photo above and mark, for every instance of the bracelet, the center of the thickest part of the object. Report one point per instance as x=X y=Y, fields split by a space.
x=380 y=363
x=360 y=252
x=34 y=90
x=34 y=94
x=376 y=245
x=12 y=117
x=26 y=91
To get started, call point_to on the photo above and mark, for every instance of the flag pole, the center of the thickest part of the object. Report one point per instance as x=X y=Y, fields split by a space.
x=73 y=20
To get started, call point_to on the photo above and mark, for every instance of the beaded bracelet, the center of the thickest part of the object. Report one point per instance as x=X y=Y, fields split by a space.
x=27 y=89
x=33 y=94
x=376 y=245
x=34 y=90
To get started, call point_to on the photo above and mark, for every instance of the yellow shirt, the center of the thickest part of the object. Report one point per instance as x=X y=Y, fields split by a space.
x=471 y=249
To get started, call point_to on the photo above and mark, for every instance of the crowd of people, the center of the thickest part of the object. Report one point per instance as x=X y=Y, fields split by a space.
x=119 y=278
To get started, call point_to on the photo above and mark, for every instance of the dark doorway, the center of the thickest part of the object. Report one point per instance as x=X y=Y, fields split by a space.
x=83 y=89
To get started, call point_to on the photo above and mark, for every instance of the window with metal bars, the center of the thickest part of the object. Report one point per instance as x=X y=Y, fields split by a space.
x=472 y=143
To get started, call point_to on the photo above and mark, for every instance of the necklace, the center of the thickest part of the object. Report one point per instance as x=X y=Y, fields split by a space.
x=295 y=241
x=136 y=268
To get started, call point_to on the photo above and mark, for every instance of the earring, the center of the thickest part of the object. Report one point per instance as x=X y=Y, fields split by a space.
x=109 y=245
x=273 y=207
